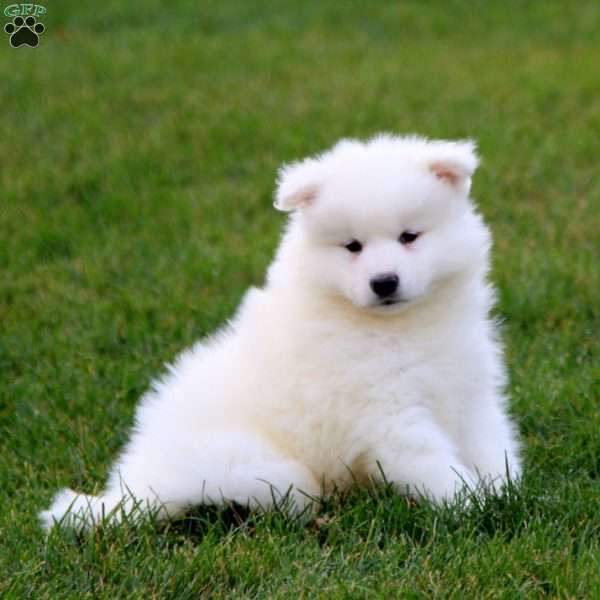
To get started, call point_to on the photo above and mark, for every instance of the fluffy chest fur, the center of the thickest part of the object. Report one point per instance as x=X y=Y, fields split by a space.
x=321 y=381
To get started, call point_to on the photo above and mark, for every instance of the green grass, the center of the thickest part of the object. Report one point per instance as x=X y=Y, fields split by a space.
x=138 y=152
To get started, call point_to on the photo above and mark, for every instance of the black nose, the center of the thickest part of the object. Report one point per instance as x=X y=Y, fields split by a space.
x=385 y=285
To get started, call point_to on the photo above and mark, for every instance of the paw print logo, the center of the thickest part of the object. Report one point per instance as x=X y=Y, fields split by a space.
x=24 y=31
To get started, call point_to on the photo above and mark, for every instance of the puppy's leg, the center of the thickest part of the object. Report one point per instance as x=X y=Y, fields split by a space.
x=216 y=468
x=417 y=457
x=489 y=443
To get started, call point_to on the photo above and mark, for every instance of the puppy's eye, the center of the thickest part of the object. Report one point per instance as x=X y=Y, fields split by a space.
x=408 y=237
x=353 y=246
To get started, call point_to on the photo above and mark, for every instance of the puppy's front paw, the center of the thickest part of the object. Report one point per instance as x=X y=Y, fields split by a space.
x=447 y=484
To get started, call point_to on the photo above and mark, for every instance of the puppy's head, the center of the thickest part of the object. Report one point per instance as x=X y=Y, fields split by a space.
x=380 y=223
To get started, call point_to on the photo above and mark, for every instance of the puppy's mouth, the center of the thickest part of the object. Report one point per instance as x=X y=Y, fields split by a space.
x=391 y=301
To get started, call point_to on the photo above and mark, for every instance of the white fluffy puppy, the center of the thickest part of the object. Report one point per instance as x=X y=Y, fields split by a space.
x=370 y=349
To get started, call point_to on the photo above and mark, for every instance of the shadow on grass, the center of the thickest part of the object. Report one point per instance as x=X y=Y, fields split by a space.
x=375 y=512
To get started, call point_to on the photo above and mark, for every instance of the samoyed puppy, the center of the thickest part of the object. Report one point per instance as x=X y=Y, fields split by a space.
x=369 y=353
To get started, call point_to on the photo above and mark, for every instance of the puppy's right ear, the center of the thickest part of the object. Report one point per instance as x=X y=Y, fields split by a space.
x=298 y=184
x=453 y=163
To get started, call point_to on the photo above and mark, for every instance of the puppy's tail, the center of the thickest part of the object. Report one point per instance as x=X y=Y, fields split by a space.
x=80 y=511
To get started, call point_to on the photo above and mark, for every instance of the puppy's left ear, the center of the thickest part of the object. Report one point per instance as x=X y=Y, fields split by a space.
x=298 y=184
x=454 y=163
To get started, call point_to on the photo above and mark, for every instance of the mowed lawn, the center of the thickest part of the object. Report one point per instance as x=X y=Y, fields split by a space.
x=138 y=150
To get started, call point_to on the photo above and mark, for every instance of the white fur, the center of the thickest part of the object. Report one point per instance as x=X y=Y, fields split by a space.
x=314 y=383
